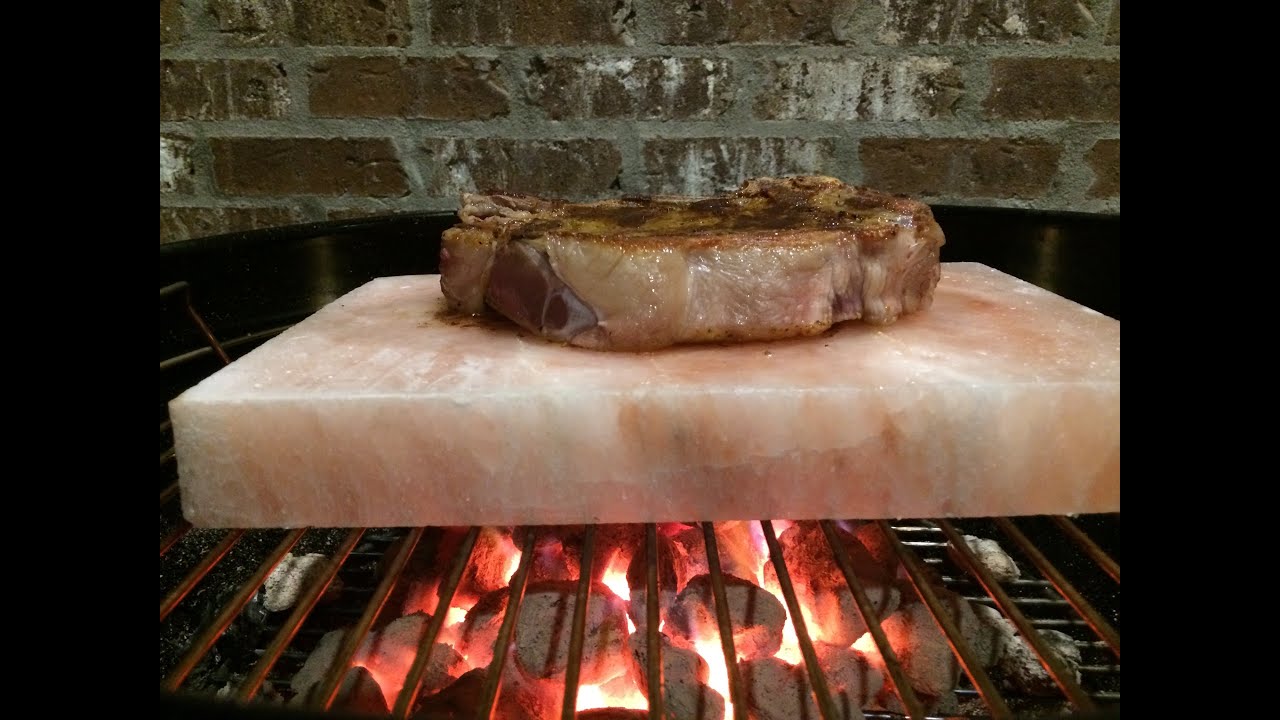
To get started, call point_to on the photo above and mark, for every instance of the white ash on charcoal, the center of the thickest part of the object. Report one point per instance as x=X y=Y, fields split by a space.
x=553 y=561
x=1017 y=667
x=849 y=671
x=455 y=702
x=1020 y=669
x=545 y=624
x=822 y=589
x=360 y=693
x=392 y=650
x=696 y=701
x=291 y=579
x=478 y=633
x=493 y=561
x=684 y=679
x=755 y=615
x=638 y=583
x=777 y=690
x=922 y=647
x=739 y=552
x=880 y=547
x=388 y=654
x=679 y=664
x=991 y=556
x=316 y=665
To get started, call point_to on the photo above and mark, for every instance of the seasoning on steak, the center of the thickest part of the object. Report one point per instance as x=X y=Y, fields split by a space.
x=779 y=257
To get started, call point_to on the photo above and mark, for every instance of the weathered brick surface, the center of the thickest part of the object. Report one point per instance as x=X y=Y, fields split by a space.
x=184 y=223
x=699 y=22
x=357 y=213
x=222 y=90
x=985 y=168
x=1104 y=159
x=1113 y=25
x=310 y=22
x=703 y=166
x=530 y=22
x=176 y=168
x=308 y=166
x=649 y=88
x=912 y=88
x=573 y=169
x=172 y=26
x=456 y=88
x=1054 y=89
x=918 y=22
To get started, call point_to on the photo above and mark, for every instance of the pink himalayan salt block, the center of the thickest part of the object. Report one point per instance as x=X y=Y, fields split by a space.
x=382 y=410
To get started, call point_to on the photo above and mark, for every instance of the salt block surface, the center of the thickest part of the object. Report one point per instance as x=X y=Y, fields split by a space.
x=381 y=409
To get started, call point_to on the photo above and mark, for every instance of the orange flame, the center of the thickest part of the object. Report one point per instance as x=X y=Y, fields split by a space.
x=718 y=680
x=619 y=693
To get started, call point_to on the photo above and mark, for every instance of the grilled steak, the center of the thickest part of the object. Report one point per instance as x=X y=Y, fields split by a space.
x=779 y=257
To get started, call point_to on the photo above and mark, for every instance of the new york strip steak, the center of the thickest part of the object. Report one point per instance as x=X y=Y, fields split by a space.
x=777 y=258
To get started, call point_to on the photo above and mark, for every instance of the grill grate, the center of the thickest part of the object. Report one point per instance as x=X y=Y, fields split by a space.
x=1050 y=601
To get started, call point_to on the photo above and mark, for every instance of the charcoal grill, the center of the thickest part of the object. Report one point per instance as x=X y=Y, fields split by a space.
x=223 y=296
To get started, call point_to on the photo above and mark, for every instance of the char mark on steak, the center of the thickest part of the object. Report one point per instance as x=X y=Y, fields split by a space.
x=777 y=258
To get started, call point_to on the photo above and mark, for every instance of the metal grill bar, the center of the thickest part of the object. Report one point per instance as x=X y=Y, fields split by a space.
x=214 y=630
x=190 y=355
x=652 y=639
x=1091 y=548
x=211 y=558
x=1063 y=586
x=174 y=536
x=1057 y=670
x=300 y=612
x=328 y=690
x=818 y=681
x=185 y=289
x=489 y=692
x=973 y=668
x=444 y=599
x=897 y=676
x=736 y=695
x=569 y=707
x=169 y=493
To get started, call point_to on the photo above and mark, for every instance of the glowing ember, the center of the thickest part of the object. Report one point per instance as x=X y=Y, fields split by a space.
x=866 y=644
x=613 y=694
x=615 y=576
x=718 y=680
x=790 y=650
x=513 y=561
x=454 y=616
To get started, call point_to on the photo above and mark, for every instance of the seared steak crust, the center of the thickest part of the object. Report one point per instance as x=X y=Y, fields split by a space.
x=779 y=257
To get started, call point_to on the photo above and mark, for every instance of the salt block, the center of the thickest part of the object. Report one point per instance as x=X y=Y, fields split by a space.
x=382 y=410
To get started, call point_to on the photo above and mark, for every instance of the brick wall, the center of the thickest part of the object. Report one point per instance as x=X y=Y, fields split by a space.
x=276 y=111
